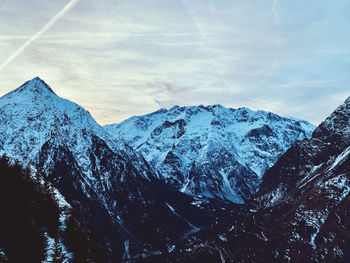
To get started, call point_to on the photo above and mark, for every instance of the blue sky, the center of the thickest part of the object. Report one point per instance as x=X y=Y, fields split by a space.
x=119 y=58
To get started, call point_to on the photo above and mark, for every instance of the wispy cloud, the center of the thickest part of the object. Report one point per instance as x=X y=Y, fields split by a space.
x=117 y=60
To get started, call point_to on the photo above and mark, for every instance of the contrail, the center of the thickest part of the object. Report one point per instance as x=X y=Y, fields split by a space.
x=69 y=6
x=203 y=47
x=275 y=12
x=276 y=63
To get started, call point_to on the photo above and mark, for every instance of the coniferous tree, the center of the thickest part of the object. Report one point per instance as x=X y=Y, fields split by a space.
x=30 y=214
x=58 y=256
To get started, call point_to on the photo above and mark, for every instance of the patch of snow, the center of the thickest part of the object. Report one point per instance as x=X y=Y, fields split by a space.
x=308 y=181
x=223 y=238
x=171 y=208
x=171 y=248
x=61 y=200
x=127 y=249
x=338 y=251
x=311 y=174
x=222 y=257
x=314 y=219
x=50 y=249
x=340 y=159
x=339 y=219
x=231 y=228
x=263 y=237
x=233 y=196
x=68 y=256
x=194 y=228
x=275 y=196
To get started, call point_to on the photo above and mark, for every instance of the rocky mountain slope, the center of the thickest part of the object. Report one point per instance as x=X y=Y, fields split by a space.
x=211 y=151
x=300 y=214
x=125 y=208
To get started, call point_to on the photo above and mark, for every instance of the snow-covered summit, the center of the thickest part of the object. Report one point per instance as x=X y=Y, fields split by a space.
x=33 y=114
x=34 y=86
x=211 y=150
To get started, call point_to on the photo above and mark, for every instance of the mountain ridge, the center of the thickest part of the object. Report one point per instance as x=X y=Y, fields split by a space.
x=178 y=143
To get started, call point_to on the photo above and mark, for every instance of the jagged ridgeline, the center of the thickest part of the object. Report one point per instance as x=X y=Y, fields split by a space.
x=300 y=214
x=36 y=223
x=212 y=151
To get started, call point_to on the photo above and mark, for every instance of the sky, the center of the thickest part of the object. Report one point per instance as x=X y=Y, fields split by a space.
x=119 y=58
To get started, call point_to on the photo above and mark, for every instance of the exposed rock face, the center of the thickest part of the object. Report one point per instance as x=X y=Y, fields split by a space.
x=212 y=151
x=301 y=212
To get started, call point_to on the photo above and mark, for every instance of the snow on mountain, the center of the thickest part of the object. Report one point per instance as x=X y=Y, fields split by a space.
x=312 y=182
x=327 y=149
x=300 y=213
x=31 y=115
x=212 y=151
x=111 y=187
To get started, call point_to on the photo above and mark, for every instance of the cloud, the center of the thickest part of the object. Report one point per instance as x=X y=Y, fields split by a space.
x=117 y=60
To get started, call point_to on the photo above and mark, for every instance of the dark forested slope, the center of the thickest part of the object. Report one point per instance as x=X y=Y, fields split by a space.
x=36 y=223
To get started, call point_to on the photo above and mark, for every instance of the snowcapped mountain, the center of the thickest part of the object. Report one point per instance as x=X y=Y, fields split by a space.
x=312 y=182
x=32 y=115
x=211 y=151
x=301 y=212
x=107 y=175
x=129 y=212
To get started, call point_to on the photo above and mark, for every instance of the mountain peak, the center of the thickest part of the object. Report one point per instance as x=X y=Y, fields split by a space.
x=344 y=107
x=35 y=89
x=33 y=114
x=338 y=121
x=37 y=85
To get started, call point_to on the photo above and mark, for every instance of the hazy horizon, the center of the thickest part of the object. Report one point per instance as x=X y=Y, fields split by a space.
x=120 y=58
